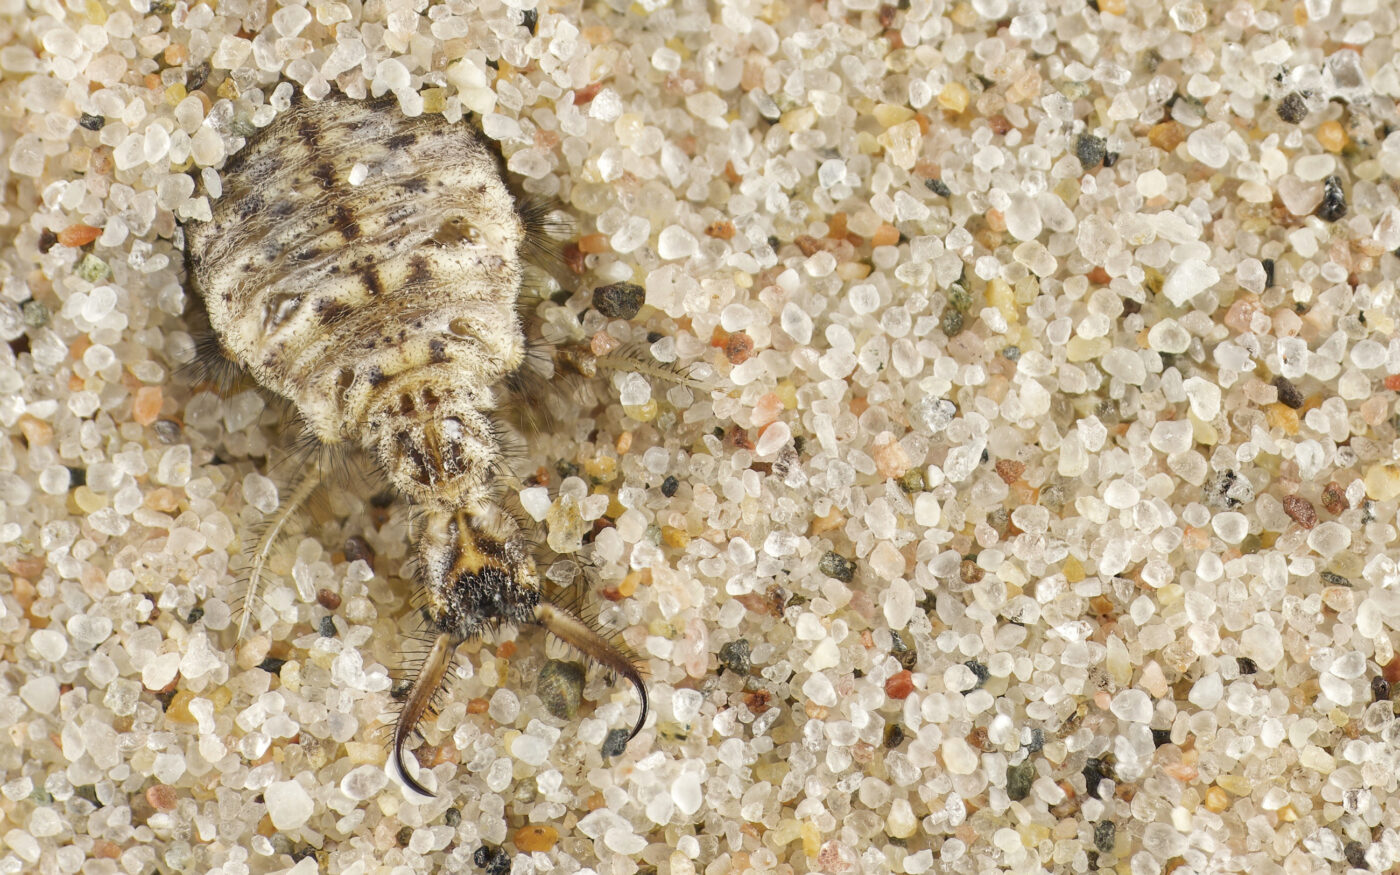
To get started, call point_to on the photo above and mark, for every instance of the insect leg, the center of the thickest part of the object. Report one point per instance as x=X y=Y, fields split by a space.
x=583 y=637
x=633 y=359
x=306 y=485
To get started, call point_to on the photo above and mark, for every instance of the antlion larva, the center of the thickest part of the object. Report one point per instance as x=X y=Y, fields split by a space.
x=367 y=267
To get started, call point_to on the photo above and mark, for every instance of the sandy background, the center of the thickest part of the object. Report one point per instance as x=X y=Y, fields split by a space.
x=1038 y=512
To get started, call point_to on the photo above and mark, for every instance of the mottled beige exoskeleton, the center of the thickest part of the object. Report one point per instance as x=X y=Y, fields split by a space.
x=367 y=267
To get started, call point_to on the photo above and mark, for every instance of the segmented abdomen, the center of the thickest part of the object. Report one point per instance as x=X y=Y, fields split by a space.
x=357 y=258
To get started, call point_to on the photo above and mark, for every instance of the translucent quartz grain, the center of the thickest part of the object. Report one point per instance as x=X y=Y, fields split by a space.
x=675 y=242
x=288 y=804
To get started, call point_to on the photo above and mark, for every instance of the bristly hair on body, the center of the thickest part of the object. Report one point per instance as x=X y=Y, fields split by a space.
x=212 y=366
x=544 y=229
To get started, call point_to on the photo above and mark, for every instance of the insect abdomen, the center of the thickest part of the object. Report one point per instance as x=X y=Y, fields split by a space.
x=348 y=253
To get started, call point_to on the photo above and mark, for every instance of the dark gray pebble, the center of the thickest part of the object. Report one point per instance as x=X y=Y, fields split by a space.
x=735 y=656
x=619 y=300
x=835 y=565
x=560 y=687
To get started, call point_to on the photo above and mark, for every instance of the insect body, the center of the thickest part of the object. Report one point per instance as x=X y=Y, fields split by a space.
x=366 y=267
